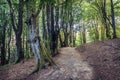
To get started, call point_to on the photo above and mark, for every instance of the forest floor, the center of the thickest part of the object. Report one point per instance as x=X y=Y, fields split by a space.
x=91 y=61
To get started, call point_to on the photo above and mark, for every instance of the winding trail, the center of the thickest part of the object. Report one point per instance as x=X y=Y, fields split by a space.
x=92 y=61
x=73 y=65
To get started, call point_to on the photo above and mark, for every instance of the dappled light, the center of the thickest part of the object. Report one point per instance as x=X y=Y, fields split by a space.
x=59 y=39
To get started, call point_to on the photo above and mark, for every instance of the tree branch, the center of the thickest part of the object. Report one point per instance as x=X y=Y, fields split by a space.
x=11 y=15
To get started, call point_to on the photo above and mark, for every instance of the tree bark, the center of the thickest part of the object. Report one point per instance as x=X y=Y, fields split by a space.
x=71 y=24
x=8 y=45
x=105 y=19
x=43 y=23
x=48 y=22
x=57 y=29
x=3 y=53
x=33 y=31
x=53 y=33
x=84 y=34
x=17 y=28
x=113 y=19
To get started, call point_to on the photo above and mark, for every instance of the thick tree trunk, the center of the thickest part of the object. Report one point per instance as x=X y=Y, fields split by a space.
x=3 y=54
x=18 y=34
x=17 y=28
x=33 y=31
x=113 y=19
x=19 y=48
x=48 y=22
x=53 y=33
x=62 y=43
x=105 y=19
x=57 y=29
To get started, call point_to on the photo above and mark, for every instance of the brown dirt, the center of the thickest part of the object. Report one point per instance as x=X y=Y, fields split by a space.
x=17 y=71
x=92 y=61
x=103 y=57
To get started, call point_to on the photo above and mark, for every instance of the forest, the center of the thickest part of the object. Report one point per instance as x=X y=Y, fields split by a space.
x=59 y=39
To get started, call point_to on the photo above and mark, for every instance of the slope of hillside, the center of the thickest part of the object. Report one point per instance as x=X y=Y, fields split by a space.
x=92 y=61
x=103 y=57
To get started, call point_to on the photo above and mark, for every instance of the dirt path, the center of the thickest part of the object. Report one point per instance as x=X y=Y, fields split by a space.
x=93 y=61
x=73 y=65
x=70 y=67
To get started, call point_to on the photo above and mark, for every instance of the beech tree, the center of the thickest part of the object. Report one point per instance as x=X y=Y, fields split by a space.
x=3 y=27
x=113 y=19
x=17 y=26
x=37 y=46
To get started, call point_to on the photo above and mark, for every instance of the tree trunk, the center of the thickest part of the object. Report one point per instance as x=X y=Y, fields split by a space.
x=84 y=33
x=113 y=19
x=66 y=35
x=18 y=32
x=33 y=31
x=53 y=33
x=71 y=28
x=17 y=28
x=105 y=19
x=48 y=23
x=19 y=48
x=57 y=29
x=43 y=23
x=8 y=45
x=3 y=54
x=62 y=43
